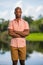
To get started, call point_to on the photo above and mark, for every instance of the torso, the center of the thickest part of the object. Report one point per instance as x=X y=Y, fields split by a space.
x=18 y=26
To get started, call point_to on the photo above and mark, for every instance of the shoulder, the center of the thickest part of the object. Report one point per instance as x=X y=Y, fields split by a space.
x=11 y=21
x=26 y=22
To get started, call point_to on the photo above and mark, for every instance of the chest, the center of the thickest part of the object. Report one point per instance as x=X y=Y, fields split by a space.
x=18 y=26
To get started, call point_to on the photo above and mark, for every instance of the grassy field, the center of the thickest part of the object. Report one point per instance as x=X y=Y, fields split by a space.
x=35 y=37
x=30 y=37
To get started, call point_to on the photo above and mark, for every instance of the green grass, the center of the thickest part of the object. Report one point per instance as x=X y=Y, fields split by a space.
x=35 y=37
x=30 y=37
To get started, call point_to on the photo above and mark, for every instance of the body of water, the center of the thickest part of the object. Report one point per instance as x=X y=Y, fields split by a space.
x=34 y=55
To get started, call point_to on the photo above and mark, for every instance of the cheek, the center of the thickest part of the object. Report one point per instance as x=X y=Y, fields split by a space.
x=19 y=14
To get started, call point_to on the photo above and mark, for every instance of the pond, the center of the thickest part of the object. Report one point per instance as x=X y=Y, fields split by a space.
x=34 y=54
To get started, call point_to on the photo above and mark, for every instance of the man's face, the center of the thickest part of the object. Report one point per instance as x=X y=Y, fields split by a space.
x=18 y=13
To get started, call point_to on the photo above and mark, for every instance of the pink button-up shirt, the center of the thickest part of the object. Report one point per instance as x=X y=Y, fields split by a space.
x=18 y=26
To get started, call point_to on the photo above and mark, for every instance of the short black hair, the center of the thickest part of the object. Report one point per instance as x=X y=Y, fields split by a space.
x=18 y=8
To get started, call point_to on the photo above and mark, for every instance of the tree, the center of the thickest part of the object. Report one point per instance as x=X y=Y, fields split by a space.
x=40 y=16
x=41 y=26
x=3 y=24
x=28 y=19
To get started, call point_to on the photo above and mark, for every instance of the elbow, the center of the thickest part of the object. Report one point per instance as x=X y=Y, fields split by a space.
x=9 y=33
x=27 y=33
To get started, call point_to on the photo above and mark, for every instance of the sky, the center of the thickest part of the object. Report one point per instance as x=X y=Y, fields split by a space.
x=29 y=8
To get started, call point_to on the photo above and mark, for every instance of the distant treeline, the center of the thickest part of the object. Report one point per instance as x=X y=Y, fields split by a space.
x=35 y=25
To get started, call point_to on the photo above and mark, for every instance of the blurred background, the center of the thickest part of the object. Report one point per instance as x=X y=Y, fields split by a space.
x=33 y=14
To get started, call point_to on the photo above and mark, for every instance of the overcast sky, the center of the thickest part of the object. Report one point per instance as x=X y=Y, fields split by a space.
x=29 y=7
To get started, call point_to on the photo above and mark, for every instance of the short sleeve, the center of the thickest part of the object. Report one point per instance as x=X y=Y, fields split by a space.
x=10 y=25
x=26 y=25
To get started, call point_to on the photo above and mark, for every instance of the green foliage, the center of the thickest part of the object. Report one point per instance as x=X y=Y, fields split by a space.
x=3 y=25
x=28 y=19
x=35 y=25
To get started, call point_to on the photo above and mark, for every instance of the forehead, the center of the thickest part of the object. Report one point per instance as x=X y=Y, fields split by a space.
x=18 y=9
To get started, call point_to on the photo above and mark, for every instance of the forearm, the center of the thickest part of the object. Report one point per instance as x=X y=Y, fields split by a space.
x=22 y=33
x=14 y=35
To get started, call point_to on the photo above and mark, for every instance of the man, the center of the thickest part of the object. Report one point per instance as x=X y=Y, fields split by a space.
x=18 y=29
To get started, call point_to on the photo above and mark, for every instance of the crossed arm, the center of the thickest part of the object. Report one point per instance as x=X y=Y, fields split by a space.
x=16 y=34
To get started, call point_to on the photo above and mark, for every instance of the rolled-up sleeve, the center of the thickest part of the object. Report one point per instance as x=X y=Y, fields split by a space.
x=26 y=25
x=10 y=25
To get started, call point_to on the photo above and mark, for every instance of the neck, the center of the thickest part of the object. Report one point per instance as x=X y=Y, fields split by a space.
x=18 y=18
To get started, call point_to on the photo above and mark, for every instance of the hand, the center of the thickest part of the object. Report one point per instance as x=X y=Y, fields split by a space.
x=17 y=32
